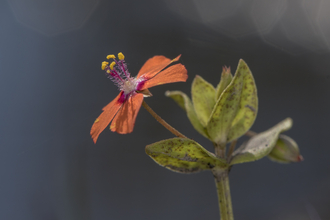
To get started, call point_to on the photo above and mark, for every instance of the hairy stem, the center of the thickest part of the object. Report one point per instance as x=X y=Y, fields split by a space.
x=231 y=149
x=220 y=150
x=223 y=190
x=160 y=120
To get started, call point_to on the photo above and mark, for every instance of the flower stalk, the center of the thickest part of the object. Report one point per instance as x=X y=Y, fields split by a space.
x=162 y=121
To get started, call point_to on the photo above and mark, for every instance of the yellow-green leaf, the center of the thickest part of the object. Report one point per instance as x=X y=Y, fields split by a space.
x=202 y=94
x=261 y=144
x=183 y=155
x=236 y=109
x=184 y=102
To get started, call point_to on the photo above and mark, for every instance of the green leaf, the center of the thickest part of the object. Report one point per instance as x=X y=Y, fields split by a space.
x=286 y=150
x=261 y=144
x=202 y=94
x=235 y=111
x=184 y=102
x=226 y=78
x=183 y=155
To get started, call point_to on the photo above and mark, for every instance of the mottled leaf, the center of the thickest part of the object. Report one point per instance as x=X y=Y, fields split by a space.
x=286 y=150
x=261 y=144
x=183 y=155
x=202 y=94
x=184 y=102
x=225 y=80
x=236 y=109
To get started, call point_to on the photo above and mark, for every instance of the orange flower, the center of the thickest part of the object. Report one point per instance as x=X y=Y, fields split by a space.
x=122 y=111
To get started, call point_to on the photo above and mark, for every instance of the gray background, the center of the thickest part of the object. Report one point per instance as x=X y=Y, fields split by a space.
x=52 y=89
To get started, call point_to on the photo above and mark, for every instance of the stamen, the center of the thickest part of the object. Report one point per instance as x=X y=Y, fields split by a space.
x=116 y=77
x=121 y=56
x=104 y=64
x=124 y=68
x=111 y=56
x=112 y=65
x=118 y=73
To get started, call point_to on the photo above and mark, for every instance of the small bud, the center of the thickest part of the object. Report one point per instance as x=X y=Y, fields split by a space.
x=145 y=92
x=285 y=151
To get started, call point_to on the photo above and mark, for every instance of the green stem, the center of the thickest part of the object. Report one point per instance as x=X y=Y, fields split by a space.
x=160 y=120
x=223 y=189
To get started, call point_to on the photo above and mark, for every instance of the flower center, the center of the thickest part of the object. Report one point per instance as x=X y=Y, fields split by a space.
x=117 y=71
x=129 y=85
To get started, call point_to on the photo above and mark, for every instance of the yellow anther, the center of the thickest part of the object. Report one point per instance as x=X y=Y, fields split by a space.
x=112 y=65
x=121 y=56
x=97 y=120
x=111 y=56
x=104 y=64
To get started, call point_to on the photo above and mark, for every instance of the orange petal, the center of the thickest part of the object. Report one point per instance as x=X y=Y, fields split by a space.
x=176 y=73
x=124 y=121
x=154 y=65
x=109 y=111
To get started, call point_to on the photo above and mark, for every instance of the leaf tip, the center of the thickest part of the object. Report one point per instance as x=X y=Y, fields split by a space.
x=197 y=77
x=300 y=158
x=241 y=61
x=288 y=122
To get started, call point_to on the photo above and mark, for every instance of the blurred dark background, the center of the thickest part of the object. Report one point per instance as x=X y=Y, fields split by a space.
x=52 y=89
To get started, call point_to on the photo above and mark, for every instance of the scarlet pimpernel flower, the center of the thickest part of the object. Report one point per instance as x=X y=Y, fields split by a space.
x=122 y=111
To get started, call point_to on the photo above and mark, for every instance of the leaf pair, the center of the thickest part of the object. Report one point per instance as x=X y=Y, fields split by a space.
x=187 y=156
x=225 y=113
